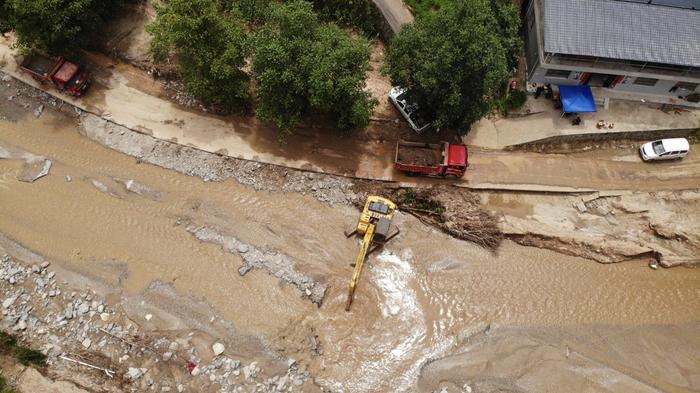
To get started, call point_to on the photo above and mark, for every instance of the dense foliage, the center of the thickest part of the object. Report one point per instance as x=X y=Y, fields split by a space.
x=210 y=47
x=54 y=25
x=457 y=61
x=360 y=14
x=303 y=65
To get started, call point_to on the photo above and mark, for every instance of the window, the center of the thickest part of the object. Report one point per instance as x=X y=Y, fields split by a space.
x=551 y=73
x=645 y=81
x=685 y=86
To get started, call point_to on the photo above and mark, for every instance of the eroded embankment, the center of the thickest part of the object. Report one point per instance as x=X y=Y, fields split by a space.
x=662 y=226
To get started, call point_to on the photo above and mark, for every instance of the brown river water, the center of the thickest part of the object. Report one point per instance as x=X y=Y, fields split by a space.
x=430 y=312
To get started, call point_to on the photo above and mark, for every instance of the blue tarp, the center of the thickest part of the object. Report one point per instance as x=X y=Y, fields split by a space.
x=577 y=99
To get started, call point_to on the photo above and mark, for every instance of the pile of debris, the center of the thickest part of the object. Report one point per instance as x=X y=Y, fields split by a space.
x=82 y=334
x=457 y=212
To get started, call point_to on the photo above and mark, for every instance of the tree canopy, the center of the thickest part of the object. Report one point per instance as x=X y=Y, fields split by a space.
x=303 y=65
x=457 y=61
x=210 y=46
x=54 y=25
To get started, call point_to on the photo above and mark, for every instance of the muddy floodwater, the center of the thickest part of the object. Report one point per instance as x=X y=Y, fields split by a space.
x=430 y=312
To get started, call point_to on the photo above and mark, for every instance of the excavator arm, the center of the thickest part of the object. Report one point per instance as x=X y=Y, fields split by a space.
x=366 y=243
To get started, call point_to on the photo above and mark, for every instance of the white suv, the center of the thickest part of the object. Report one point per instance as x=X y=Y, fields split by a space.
x=664 y=149
x=410 y=110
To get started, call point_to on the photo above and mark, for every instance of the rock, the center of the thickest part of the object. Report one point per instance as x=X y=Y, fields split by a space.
x=9 y=301
x=83 y=309
x=12 y=280
x=104 y=316
x=35 y=169
x=21 y=325
x=45 y=264
x=38 y=111
x=148 y=317
x=653 y=265
x=167 y=356
x=218 y=349
x=180 y=388
x=291 y=362
x=68 y=178
x=195 y=371
x=173 y=346
x=135 y=373
x=87 y=342
x=6 y=78
x=69 y=311
x=165 y=389
x=243 y=248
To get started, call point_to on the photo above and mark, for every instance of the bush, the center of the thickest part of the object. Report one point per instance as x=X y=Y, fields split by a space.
x=359 y=14
x=28 y=356
x=55 y=25
x=25 y=355
x=516 y=99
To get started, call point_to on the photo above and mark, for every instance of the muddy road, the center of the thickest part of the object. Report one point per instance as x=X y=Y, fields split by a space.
x=430 y=313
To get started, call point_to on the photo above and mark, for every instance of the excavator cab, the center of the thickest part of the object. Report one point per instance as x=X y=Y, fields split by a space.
x=375 y=225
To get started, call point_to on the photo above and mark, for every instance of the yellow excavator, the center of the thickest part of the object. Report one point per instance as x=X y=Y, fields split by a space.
x=375 y=226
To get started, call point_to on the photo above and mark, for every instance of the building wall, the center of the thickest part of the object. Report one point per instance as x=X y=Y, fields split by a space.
x=662 y=87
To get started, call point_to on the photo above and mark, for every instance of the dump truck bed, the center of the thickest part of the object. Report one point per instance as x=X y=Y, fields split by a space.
x=429 y=155
x=39 y=64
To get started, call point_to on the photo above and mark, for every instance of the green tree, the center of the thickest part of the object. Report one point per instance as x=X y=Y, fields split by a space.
x=361 y=14
x=456 y=62
x=210 y=46
x=54 y=25
x=302 y=66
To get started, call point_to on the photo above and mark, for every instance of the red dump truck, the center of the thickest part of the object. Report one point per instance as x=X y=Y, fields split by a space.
x=431 y=159
x=62 y=74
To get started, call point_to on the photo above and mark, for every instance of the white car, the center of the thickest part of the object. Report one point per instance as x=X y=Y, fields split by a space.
x=664 y=149
x=410 y=110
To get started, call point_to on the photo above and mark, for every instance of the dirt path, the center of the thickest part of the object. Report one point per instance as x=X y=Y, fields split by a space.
x=130 y=225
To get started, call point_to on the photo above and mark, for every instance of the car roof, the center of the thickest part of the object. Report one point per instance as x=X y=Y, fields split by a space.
x=675 y=144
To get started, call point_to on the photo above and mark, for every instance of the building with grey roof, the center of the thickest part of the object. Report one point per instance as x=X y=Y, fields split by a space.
x=648 y=47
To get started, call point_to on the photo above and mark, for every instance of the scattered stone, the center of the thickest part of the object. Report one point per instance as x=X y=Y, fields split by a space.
x=148 y=317
x=83 y=309
x=34 y=169
x=68 y=178
x=135 y=373
x=167 y=356
x=39 y=110
x=243 y=248
x=218 y=349
x=9 y=301
x=45 y=264
x=86 y=343
x=653 y=265
x=195 y=371
x=21 y=325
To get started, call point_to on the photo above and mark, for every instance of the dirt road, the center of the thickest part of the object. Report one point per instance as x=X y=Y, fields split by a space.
x=395 y=13
x=418 y=309
x=127 y=96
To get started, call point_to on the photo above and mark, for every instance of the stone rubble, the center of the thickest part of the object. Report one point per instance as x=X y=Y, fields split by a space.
x=277 y=264
x=42 y=312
